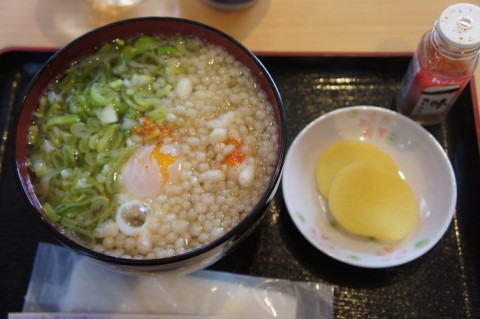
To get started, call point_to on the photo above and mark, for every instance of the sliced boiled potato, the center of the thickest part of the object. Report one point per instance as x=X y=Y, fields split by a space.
x=343 y=153
x=372 y=201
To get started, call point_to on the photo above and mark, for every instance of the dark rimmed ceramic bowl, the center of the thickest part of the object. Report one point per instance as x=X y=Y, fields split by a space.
x=87 y=44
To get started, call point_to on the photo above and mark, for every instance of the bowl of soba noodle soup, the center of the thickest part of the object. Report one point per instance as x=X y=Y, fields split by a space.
x=151 y=144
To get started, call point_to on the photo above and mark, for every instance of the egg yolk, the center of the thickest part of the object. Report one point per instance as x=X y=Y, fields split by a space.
x=149 y=169
x=164 y=161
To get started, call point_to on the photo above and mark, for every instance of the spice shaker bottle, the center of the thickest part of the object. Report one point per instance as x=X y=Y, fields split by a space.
x=442 y=65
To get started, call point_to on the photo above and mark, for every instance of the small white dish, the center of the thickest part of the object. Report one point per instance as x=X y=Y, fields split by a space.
x=421 y=159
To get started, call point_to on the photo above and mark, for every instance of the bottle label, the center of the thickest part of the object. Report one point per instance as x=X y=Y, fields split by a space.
x=435 y=100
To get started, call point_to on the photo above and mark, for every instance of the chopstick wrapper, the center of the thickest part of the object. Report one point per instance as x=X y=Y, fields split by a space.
x=64 y=282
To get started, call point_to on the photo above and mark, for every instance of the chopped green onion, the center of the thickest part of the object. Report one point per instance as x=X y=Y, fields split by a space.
x=50 y=211
x=144 y=43
x=100 y=94
x=144 y=100
x=128 y=52
x=68 y=222
x=63 y=120
x=115 y=84
x=167 y=49
x=80 y=130
x=175 y=69
x=163 y=91
x=158 y=114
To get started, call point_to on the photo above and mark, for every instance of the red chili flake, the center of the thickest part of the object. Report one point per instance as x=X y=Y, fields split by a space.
x=439 y=64
x=234 y=158
x=234 y=141
x=149 y=130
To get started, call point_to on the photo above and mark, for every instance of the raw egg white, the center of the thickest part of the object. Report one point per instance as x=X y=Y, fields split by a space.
x=150 y=168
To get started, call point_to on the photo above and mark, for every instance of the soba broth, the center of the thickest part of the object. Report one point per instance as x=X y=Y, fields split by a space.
x=151 y=147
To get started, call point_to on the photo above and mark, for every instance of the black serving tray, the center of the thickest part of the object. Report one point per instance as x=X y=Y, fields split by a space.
x=444 y=283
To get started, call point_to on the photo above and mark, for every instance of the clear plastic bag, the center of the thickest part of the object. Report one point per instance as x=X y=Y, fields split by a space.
x=64 y=282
